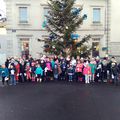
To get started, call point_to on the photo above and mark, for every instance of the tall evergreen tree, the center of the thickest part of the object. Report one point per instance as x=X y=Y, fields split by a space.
x=63 y=20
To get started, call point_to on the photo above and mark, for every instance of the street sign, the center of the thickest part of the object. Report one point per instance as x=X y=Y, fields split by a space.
x=104 y=49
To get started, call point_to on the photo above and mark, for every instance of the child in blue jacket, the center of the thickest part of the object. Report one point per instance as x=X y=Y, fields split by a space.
x=39 y=73
x=4 y=75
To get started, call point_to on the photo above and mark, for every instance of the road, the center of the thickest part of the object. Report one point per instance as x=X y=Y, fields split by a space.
x=60 y=101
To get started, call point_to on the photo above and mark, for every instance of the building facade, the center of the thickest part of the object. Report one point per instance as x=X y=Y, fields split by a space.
x=115 y=28
x=3 y=39
x=25 y=26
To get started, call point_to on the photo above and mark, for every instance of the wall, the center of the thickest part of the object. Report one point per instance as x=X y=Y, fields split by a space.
x=115 y=28
x=115 y=21
x=33 y=30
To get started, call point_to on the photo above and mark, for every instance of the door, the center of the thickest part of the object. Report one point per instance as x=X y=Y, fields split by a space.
x=25 y=48
x=95 y=49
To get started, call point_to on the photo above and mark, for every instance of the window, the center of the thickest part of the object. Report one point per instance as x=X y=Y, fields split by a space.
x=96 y=15
x=23 y=15
x=46 y=10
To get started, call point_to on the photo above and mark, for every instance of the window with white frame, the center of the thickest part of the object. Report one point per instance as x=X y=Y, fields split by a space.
x=45 y=13
x=46 y=10
x=23 y=14
x=96 y=15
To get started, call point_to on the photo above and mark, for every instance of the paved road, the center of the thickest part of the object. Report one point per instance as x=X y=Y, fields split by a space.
x=60 y=101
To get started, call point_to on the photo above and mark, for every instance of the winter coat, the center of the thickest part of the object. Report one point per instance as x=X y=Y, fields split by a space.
x=93 y=68
x=63 y=67
x=52 y=64
x=99 y=68
x=33 y=68
x=43 y=65
x=115 y=70
x=71 y=71
x=39 y=71
x=87 y=70
x=48 y=65
x=4 y=72
x=17 y=67
x=79 y=67
x=104 y=65
x=22 y=69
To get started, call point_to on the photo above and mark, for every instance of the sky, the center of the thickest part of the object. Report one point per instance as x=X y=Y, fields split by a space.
x=2 y=8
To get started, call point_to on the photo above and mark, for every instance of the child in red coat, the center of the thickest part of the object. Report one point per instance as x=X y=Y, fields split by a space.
x=28 y=72
x=79 y=70
x=17 y=71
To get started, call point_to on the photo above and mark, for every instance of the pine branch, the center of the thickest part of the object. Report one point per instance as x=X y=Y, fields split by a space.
x=85 y=39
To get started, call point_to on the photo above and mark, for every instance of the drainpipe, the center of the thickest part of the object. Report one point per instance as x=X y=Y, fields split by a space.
x=108 y=26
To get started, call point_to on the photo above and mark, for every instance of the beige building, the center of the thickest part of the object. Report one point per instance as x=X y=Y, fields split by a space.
x=25 y=19
x=3 y=42
x=115 y=29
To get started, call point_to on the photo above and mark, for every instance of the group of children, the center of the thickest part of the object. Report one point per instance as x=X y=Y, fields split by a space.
x=55 y=68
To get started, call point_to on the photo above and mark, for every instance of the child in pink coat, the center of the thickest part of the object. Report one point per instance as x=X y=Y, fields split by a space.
x=48 y=70
x=87 y=72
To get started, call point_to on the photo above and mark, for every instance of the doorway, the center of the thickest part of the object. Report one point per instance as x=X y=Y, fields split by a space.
x=25 y=48
x=95 y=49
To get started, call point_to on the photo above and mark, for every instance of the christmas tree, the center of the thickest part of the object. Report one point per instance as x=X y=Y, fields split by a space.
x=63 y=20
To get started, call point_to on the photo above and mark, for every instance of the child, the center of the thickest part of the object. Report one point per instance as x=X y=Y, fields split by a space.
x=99 y=72
x=12 y=75
x=79 y=70
x=87 y=72
x=52 y=63
x=63 y=69
x=5 y=75
x=93 y=69
x=42 y=64
x=39 y=73
x=71 y=72
x=22 y=71
x=17 y=72
x=28 y=72
x=55 y=72
x=48 y=70
x=33 y=68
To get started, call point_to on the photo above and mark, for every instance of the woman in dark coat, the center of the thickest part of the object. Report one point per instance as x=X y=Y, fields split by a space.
x=115 y=73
